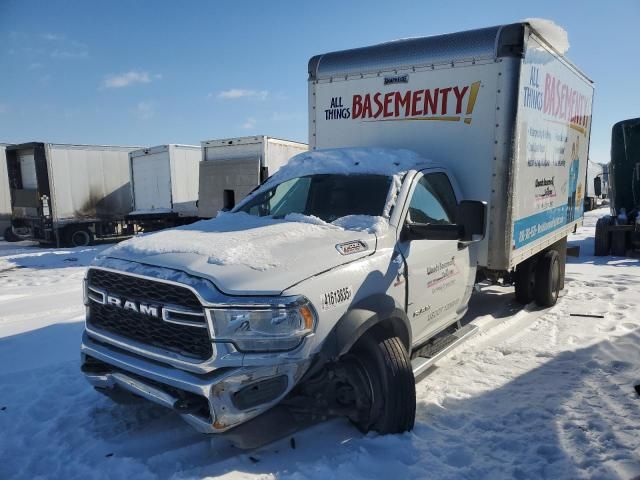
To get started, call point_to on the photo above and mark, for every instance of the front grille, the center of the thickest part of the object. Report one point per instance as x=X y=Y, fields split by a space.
x=188 y=341
x=142 y=289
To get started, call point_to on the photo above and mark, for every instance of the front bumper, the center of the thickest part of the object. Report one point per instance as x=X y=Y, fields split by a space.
x=230 y=396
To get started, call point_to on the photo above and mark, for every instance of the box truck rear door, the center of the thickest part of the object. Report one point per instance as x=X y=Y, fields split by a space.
x=151 y=181
x=235 y=177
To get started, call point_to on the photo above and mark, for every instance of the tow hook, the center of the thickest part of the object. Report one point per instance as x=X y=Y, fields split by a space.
x=189 y=404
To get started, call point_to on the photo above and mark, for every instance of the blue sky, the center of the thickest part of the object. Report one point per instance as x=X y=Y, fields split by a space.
x=148 y=73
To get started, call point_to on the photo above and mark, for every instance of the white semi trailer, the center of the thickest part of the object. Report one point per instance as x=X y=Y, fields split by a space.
x=233 y=167
x=5 y=197
x=68 y=194
x=164 y=185
x=435 y=162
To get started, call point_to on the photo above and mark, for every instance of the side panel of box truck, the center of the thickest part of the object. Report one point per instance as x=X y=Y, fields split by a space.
x=554 y=124
x=89 y=182
x=447 y=115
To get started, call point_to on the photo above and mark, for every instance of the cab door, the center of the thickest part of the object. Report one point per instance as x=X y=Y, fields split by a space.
x=438 y=271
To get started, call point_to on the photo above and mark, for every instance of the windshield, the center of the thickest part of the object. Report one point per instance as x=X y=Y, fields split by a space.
x=327 y=197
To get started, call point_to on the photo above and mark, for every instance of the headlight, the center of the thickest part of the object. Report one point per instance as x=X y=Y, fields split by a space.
x=264 y=329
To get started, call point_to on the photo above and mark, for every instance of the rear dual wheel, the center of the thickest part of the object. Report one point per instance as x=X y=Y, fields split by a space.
x=80 y=237
x=9 y=236
x=538 y=278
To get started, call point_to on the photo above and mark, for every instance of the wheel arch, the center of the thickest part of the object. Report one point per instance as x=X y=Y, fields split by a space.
x=372 y=313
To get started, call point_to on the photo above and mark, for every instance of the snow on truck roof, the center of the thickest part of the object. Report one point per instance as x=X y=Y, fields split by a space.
x=345 y=161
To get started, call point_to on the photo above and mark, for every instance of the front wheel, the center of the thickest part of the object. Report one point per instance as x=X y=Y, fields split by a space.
x=391 y=382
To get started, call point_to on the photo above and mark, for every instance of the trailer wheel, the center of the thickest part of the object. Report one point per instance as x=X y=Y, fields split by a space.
x=81 y=237
x=391 y=382
x=602 y=240
x=525 y=281
x=547 y=283
x=9 y=236
x=619 y=243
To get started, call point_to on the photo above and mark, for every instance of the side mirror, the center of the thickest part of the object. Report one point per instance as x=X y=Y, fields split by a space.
x=470 y=226
x=471 y=215
x=597 y=186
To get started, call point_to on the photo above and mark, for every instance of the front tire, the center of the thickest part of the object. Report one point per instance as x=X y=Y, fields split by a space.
x=391 y=381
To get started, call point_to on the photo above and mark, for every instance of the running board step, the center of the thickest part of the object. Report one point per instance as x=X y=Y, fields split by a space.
x=421 y=364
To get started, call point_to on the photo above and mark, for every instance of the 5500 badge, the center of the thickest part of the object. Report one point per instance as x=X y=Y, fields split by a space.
x=334 y=298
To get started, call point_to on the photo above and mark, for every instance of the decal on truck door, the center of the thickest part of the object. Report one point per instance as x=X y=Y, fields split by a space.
x=553 y=136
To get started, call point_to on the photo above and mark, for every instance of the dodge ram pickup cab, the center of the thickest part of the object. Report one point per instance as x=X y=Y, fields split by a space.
x=317 y=286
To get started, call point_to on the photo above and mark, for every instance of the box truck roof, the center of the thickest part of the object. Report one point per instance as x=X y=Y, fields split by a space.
x=469 y=46
x=246 y=141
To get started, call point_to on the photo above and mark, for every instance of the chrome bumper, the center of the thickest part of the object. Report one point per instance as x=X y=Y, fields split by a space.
x=159 y=382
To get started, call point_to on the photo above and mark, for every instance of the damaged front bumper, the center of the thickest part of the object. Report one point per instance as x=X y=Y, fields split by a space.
x=211 y=402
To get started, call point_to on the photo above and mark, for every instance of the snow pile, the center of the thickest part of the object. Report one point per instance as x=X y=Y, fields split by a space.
x=551 y=32
x=243 y=239
x=363 y=223
x=356 y=223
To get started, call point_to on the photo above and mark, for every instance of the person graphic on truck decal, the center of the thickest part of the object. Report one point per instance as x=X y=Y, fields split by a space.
x=573 y=182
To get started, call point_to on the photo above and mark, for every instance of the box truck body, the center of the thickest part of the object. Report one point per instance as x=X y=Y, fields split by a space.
x=164 y=184
x=59 y=189
x=5 y=197
x=233 y=167
x=499 y=107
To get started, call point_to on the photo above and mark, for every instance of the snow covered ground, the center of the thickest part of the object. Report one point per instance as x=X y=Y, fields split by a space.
x=537 y=394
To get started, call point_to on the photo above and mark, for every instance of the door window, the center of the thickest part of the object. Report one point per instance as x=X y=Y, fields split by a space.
x=433 y=201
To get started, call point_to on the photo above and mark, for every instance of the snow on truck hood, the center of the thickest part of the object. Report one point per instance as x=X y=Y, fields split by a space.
x=245 y=254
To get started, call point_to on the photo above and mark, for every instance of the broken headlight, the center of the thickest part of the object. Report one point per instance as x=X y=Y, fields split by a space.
x=264 y=329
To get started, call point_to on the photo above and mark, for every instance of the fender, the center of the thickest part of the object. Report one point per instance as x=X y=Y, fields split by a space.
x=361 y=317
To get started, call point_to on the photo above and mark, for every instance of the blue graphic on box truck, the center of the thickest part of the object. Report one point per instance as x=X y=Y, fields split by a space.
x=553 y=138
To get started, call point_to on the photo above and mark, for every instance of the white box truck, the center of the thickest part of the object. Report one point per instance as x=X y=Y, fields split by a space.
x=68 y=194
x=5 y=197
x=233 y=167
x=164 y=185
x=435 y=162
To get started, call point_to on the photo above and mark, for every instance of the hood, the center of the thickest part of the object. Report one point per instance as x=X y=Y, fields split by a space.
x=247 y=255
